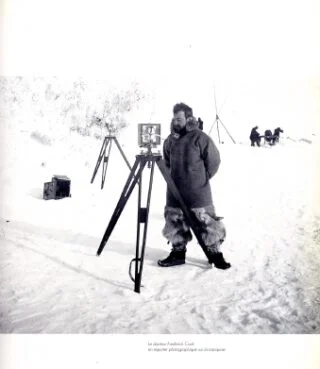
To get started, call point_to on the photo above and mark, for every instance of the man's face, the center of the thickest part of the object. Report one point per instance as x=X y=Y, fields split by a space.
x=179 y=121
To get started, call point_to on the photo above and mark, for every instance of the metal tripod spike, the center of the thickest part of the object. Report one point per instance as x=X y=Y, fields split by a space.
x=135 y=177
x=104 y=156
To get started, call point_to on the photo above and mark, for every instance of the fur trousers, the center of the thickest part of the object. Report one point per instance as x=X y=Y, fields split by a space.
x=177 y=231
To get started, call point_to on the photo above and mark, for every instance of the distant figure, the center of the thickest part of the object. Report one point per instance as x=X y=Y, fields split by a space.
x=255 y=136
x=268 y=137
x=276 y=135
x=200 y=122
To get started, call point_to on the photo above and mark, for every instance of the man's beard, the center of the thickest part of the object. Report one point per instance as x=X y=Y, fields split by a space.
x=179 y=129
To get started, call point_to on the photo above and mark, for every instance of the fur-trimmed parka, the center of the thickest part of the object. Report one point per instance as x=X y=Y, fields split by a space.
x=193 y=159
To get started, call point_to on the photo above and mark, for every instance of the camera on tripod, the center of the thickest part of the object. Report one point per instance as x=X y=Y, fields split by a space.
x=149 y=135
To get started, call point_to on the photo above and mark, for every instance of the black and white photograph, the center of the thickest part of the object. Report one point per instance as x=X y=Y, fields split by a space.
x=159 y=183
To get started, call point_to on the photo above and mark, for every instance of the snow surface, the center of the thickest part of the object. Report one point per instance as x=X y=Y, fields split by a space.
x=53 y=282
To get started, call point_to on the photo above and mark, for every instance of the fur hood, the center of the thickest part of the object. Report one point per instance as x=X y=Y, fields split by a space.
x=191 y=125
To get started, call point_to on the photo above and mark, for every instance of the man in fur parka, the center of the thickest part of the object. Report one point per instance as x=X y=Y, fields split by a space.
x=193 y=159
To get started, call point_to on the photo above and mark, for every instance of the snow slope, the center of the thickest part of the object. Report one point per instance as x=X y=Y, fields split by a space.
x=53 y=282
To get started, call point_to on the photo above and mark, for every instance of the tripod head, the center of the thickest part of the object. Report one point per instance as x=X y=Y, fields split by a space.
x=111 y=128
x=149 y=137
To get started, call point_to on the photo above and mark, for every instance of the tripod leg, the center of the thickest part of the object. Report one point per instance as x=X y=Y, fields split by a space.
x=211 y=128
x=136 y=260
x=189 y=216
x=227 y=131
x=132 y=180
x=122 y=153
x=218 y=131
x=105 y=162
x=143 y=217
x=102 y=151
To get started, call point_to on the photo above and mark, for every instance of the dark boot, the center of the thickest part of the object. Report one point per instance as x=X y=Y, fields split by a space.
x=174 y=258
x=218 y=260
